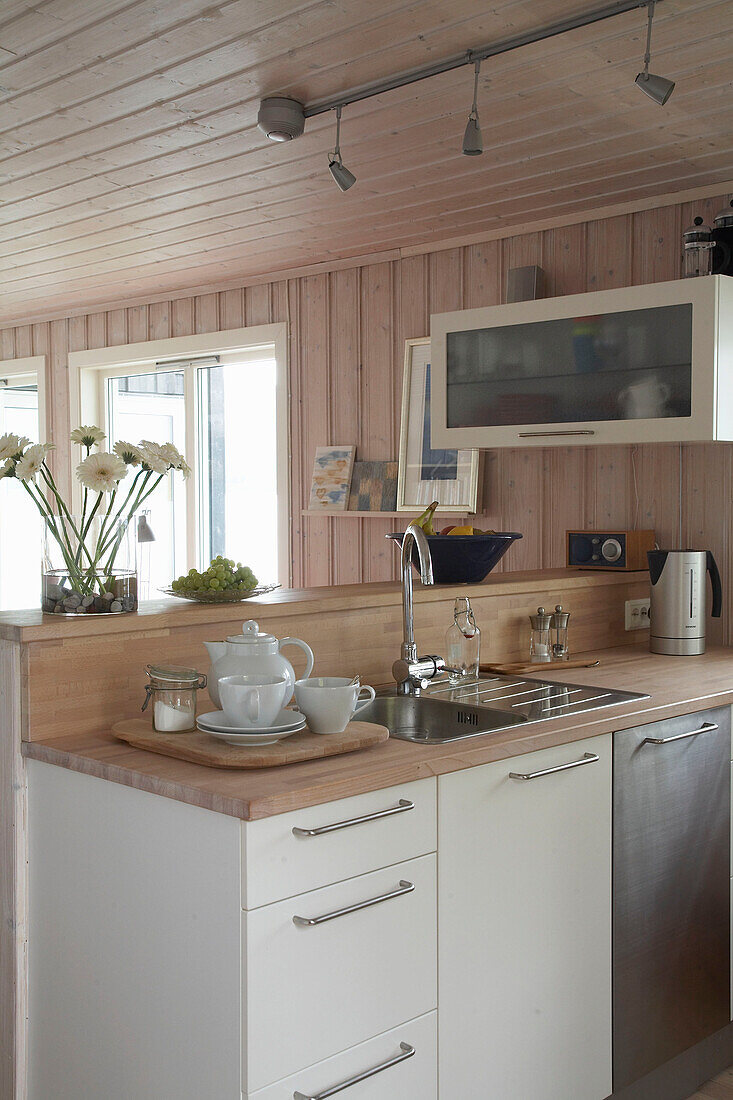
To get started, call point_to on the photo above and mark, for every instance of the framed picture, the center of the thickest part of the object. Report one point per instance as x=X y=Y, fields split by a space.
x=425 y=473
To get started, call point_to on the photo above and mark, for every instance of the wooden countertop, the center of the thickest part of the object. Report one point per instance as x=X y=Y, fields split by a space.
x=163 y=614
x=677 y=685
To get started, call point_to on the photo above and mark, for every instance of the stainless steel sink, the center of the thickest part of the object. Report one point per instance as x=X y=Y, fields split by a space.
x=444 y=712
x=432 y=721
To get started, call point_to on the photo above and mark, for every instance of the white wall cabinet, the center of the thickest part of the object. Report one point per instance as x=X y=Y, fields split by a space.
x=645 y=364
x=524 y=918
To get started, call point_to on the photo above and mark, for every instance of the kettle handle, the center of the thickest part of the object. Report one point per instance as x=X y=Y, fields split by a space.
x=306 y=649
x=717 y=586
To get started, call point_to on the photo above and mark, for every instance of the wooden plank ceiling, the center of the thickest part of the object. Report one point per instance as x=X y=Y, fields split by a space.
x=131 y=163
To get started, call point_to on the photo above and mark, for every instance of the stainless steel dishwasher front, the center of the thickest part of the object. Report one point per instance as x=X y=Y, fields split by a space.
x=671 y=889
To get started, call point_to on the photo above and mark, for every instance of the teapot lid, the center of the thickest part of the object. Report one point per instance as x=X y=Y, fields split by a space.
x=251 y=634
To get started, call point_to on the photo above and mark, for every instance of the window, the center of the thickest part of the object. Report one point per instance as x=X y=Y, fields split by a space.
x=21 y=412
x=224 y=404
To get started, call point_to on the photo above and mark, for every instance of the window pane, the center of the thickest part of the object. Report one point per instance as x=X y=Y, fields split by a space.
x=151 y=406
x=20 y=522
x=238 y=464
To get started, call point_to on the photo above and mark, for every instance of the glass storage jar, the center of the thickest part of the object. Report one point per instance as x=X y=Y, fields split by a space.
x=172 y=690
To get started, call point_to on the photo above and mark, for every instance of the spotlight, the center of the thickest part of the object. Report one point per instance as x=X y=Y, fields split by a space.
x=657 y=88
x=343 y=178
x=473 y=144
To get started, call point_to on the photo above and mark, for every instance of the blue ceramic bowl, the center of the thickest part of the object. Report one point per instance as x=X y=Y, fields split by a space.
x=463 y=559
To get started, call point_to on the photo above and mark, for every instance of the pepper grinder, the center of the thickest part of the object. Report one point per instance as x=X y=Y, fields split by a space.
x=559 y=632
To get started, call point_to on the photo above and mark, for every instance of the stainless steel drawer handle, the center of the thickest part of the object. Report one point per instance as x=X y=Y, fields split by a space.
x=706 y=727
x=402 y=807
x=541 y=435
x=404 y=888
x=588 y=758
x=406 y=1051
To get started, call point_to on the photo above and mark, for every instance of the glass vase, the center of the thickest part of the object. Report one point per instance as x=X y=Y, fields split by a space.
x=90 y=569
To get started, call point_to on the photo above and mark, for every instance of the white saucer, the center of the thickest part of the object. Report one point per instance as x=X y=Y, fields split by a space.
x=250 y=740
x=216 y=721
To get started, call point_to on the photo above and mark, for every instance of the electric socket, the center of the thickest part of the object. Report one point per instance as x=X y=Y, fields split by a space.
x=636 y=614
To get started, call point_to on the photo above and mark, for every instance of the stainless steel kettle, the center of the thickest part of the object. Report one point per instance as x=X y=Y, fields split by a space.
x=678 y=611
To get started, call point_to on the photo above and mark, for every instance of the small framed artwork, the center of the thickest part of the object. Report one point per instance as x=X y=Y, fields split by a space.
x=426 y=473
x=332 y=478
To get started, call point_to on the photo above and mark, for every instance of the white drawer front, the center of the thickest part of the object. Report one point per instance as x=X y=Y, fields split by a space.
x=279 y=864
x=312 y=991
x=413 y=1077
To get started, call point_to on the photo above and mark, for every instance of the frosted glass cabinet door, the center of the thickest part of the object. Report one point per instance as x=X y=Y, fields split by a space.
x=524 y=927
x=611 y=366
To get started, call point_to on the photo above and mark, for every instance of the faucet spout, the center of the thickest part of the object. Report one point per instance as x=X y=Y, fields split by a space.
x=414 y=536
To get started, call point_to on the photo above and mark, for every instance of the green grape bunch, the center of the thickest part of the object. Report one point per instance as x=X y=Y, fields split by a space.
x=222 y=575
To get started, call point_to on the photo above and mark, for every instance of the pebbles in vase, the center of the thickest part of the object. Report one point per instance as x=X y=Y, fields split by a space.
x=59 y=600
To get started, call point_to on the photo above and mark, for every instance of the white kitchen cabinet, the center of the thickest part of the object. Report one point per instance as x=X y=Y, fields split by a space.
x=524 y=919
x=367 y=965
x=302 y=850
x=404 y=1060
x=147 y=978
x=646 y=364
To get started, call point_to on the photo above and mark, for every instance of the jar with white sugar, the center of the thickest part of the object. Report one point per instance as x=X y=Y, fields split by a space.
x=172 y=691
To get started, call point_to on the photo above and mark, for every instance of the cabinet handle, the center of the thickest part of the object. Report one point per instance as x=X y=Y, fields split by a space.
x=404 y=888
x=706 y=727
x=402 y=807
x=406 y=1051
x=588 y=758
x=536 y=435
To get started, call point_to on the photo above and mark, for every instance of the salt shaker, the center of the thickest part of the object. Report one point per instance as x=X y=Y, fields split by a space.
x=540 y=647
x=173 y=692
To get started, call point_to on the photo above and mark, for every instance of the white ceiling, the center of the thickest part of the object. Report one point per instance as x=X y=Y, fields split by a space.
x=131 y=163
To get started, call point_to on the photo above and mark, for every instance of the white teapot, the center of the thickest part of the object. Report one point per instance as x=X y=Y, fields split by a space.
x=253 y=652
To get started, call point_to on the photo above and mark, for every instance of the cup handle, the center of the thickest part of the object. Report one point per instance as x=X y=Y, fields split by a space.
x=253 y=705
x=360 y=706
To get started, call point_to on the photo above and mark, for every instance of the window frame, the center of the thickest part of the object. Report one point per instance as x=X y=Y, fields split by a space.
x=23 y=368
x=90 y=370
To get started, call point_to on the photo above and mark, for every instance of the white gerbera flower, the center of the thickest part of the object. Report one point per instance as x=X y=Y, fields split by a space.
x=87 y=435
x=11 y=445
x=101 y=472
x=153 y=457
x=28 y=466
x=8 y=468
x=31 y=462
x=172 y=454
x=185 y=469
x=129 y=453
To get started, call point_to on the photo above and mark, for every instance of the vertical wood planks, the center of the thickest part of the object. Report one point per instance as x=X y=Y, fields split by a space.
x=316 y=416
x=379 y=438
x=343 y=386
x=706 y=517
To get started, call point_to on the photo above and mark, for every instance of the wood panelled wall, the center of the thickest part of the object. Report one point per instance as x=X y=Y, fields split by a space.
x=347 y=334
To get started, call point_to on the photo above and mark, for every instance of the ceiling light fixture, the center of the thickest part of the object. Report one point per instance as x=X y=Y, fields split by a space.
x=343 y=178
x=473 y=145
x=657 y=88
x=281 y=119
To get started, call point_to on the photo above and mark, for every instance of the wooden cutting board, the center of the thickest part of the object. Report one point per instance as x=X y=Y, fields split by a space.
x=513 y=668
x=200 y=748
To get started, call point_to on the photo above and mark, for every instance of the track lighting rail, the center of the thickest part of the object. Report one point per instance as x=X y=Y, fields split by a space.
x=470 y=57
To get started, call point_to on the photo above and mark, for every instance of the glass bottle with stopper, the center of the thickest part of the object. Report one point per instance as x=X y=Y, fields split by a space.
x=463 y=642
x=540 y=646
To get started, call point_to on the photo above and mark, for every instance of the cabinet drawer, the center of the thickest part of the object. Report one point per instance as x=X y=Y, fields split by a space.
x=314 y=990
x=374 y=830
x=414 y=1077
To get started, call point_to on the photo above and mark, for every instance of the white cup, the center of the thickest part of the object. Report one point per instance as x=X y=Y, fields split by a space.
x=330 y=702
x=254 y=700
